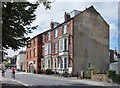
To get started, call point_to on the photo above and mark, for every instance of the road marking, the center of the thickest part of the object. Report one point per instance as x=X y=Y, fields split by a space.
x=20 y=82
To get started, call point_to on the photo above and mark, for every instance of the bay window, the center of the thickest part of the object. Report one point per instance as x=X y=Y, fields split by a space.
x=65 y=62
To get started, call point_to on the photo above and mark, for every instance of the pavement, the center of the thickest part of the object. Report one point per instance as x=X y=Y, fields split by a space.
x=29 y=79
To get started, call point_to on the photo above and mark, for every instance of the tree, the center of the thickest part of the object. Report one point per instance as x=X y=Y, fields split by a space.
x=16 y=22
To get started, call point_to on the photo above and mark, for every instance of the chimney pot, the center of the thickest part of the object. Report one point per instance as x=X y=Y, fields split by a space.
x=66 y=16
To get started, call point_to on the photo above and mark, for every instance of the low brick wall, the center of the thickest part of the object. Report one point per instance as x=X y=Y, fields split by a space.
x=100 y=77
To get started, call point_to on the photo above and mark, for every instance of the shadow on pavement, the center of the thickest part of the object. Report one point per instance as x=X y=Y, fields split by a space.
x=13 y=86
x=58 y=86
x=73 y=87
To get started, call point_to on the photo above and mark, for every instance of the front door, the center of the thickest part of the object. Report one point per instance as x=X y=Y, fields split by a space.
x=31 y=69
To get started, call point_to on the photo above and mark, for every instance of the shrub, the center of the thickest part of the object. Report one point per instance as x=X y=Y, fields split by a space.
x=115 y=77
x=90 y=70
x=39 y=71
x=118 y=78
x=48 y=71
x=88 y=74
x=111 y=74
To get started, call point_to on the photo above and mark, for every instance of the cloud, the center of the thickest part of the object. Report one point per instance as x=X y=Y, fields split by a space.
x=113 y=36
x=113 y=30
x=107 y=9
x=85 y=0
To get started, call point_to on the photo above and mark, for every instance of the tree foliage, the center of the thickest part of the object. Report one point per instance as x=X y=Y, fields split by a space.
x=16 y=22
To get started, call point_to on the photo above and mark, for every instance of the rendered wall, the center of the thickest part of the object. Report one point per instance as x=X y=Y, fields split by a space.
x=91 y=41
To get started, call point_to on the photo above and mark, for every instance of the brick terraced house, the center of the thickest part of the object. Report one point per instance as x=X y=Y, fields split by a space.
x=80 y=41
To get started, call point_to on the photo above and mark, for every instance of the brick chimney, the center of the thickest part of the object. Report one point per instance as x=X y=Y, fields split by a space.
x=66 y=16
x=51 y=25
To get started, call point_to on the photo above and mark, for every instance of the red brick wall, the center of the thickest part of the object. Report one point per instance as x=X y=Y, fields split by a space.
x=38 y=52
x=52 y=40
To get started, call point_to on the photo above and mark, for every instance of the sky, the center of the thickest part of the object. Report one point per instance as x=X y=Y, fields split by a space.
x=108 y=10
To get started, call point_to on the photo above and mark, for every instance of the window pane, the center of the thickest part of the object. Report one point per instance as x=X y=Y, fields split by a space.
x=64 y=29
x=55 y=47
x=61 y=44
x=48 y=35
x=65 y=44
x=55 y=33
x=49 y=48
x=65 y=62
x=55 y=63
x=46 y=49
x=48 y=63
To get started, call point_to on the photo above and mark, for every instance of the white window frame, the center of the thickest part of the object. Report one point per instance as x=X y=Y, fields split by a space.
x=49 y=48
x=66 y=44
x=64 y=28
x=46 y=65
x=56 y=47
x=62 y=41
x=61 y=63
x=46 y=49
x=61 y=45
x=55 y=63
x=66 y=62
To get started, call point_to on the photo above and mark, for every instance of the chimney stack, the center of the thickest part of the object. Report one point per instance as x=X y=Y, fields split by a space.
x=66 y=16
x=51 y=25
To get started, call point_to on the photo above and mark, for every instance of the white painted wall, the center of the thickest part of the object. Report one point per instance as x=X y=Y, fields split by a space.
x=20 y=59
x=115 y=66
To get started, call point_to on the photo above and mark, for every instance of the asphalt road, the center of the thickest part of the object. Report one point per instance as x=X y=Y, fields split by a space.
x=26 y=80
